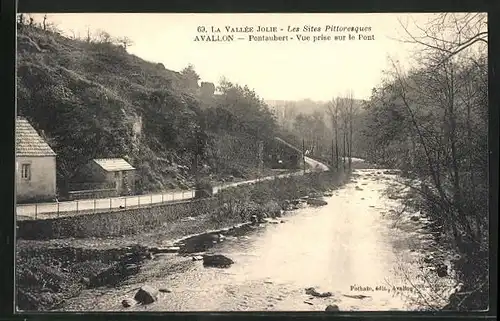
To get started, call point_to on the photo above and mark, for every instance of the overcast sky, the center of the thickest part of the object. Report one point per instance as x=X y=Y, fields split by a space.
x=276 y=70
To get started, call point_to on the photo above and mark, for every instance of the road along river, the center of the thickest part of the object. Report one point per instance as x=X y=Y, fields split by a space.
x=90 y=206
x=351 y=247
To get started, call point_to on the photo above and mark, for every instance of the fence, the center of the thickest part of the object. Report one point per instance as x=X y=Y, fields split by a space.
x=98 y=205
x=113 y=204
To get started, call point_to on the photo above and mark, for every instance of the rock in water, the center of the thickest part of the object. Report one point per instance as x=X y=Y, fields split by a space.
x=313 y=292
x=126 y=303
x=146 y=295
x=217 y=260
x=332 y=308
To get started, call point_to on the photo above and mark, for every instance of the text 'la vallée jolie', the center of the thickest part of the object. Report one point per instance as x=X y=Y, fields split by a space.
x=299 y=33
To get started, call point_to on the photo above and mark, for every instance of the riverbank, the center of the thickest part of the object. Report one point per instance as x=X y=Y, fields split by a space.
x=356 y=248
x=441 y=259
x=49 y=272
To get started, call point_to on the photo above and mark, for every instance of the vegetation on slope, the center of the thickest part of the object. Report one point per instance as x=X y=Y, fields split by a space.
x=432 y=122
x=92 y=99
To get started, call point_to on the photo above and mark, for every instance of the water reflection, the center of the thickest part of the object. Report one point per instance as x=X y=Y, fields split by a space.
x=346 y=248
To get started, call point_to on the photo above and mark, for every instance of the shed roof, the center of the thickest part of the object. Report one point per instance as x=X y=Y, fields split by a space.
x=29 y=142
x=113 y=164
x=288 y=145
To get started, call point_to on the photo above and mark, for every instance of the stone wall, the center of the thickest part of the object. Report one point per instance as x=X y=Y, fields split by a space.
x=117 y=223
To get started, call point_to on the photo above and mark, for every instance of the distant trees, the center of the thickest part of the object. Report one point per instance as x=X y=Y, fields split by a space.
x=342 y=113
x=191 y=77
x=96 y=37
x=247 y=110
x=313 y=130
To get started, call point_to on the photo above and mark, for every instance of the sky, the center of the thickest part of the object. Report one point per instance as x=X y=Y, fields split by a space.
x=279 y=70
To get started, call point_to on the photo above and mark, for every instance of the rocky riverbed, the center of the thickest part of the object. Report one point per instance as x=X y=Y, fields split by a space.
x=355 y=253
x=51 y=272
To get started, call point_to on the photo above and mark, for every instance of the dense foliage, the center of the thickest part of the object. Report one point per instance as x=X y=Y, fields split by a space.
x=92 y=99
x=432 y=122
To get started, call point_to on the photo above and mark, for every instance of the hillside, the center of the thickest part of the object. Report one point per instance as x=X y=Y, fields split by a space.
x=91 y=99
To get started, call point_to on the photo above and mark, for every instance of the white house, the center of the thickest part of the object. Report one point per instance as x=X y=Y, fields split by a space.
x=35 y=165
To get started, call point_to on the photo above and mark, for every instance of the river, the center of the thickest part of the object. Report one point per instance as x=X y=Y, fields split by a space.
x=350 y=247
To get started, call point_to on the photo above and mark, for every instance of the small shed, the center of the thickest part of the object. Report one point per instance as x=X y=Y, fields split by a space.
x=280 y=154
x=110 y=172
x=35 y=165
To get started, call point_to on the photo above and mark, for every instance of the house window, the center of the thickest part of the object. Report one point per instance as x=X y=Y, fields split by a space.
x=26 y=171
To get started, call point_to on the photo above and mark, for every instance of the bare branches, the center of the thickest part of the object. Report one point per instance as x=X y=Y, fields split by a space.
x=436 y=130
x=449 y=33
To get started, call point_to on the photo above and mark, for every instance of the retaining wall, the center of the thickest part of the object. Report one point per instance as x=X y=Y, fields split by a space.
x=116 y=223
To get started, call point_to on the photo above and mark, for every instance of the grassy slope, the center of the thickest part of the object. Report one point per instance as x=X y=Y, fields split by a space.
x=86 y=97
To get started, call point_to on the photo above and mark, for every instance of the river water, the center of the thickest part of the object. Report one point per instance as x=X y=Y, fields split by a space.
x=350 y=247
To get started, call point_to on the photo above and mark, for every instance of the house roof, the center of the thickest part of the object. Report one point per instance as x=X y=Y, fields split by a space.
x=29 y=142
x=113 y=164
x=288 y=145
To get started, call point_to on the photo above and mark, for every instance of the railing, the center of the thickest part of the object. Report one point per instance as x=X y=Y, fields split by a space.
x=93 y=193
x=100 y=205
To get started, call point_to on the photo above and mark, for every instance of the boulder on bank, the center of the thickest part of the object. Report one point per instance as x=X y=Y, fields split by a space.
x=217 y=260
x=328 y=194
x=316 y=202
x=146 y=295
x=332 y=308
x=313 y=292
x=126 y=303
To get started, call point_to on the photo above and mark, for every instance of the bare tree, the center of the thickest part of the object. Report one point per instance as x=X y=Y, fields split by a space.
x=350 y=116
x=449 y=33
x=333 y=111
x=44 y=22
x=437 y=127
x=89 y=37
